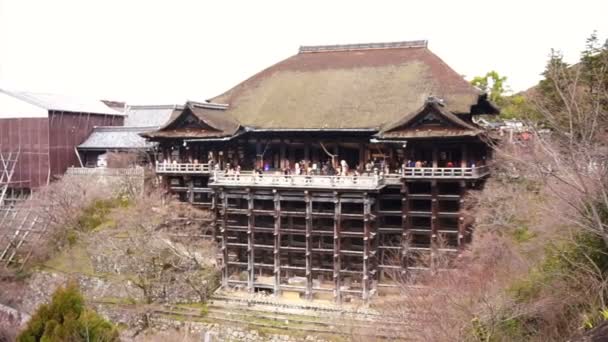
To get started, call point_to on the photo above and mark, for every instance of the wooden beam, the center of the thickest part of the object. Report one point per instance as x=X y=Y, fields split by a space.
x=224 y=232
x=365 y=281
x=308 y=201
x=406 y=224
x=463 y=155
x=461 y=226
x=336 y=255
x=250 y=242
x=277 y=243
x=434 y=215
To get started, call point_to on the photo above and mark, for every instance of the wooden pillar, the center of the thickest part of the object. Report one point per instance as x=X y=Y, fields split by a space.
x=337 y=236
x=259 y=161
x=361 y=155
x=315 y=155
x=434 y=218
x=461 y=227
x=292 y=155
x=463 y=155
x=224 y=233
x=337 y=154
x=306 y=153
x=406 y=224
x=190 y=190
x=282 y=155
x=250 y=242
x=308 y=201
x=366 y=246
x=290 y=238
x=277 y=243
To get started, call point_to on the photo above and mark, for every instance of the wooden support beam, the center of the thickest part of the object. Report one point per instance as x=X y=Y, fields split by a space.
x=461 y=226
x=224 y=232
x=365 y=281
x=336 y=255
x=190 y=192
x=434 y=219
x=290 y=241
x=406 y=224
x=292 y=155
x=259 y=160
x=463 y=155
x=250 y=242
x=308 y=201
x=277 y=243
x=361 y=155
x=306 y=153
x=282 y=156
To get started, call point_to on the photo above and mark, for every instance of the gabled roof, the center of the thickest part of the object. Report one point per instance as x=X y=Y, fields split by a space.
x=429 y=121
x=63 y=103
x=362 y=86
x=117 y=138
x=198 y=120
x=151 y=115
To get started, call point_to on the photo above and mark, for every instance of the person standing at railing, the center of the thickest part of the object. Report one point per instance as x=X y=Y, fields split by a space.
x=449 y=164
x=418 y=164
x=344 y=167
x=298 y=170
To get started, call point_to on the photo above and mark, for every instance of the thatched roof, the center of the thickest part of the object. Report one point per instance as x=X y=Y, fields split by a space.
x=198 y=120
x=347 y=87
x=430 y=121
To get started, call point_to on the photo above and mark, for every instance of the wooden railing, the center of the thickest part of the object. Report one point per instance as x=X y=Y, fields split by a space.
x=102 y=171
x=183 y=168
x=446 y=172
x=297 y=181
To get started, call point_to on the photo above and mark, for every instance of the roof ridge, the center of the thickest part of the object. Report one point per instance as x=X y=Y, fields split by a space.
x=364 y=46
x=207 y=105
x=122 y=128
x=156 y=106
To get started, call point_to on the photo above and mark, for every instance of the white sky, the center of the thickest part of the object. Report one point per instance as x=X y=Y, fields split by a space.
x=170 y=51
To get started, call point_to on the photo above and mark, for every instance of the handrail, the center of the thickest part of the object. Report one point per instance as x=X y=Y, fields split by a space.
x=445 y=172
x=182 y=168
x=98 y=171
x=308 y=181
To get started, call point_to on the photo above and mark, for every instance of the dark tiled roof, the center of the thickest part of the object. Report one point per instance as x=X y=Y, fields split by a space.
x=347 y=87
x=117 y=138
x=405 y=127
x=151 y=115
x=213 y=122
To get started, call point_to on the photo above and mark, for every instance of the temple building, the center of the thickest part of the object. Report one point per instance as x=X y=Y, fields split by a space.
x=334 y=170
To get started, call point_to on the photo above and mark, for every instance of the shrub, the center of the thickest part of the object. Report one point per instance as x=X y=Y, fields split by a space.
x=66 y=318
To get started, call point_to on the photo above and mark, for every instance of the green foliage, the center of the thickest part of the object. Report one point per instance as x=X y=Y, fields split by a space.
x=96 y=214
x=518 y=107
x=523 y=234
x=493 y=84
x=66 y=319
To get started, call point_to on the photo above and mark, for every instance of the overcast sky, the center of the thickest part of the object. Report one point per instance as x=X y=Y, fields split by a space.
x=170 y=51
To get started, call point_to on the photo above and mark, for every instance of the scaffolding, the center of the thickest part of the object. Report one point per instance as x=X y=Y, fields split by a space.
x=8 y=162
x=21 y=223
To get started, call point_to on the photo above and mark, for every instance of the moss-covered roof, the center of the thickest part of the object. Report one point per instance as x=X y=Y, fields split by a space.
x=347 y=87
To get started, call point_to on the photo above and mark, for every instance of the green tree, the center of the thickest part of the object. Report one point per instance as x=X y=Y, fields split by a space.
x=493 y=84
x=66 y=319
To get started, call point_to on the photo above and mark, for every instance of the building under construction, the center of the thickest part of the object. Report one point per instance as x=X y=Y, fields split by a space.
x=333 y=169
x=41 y=132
